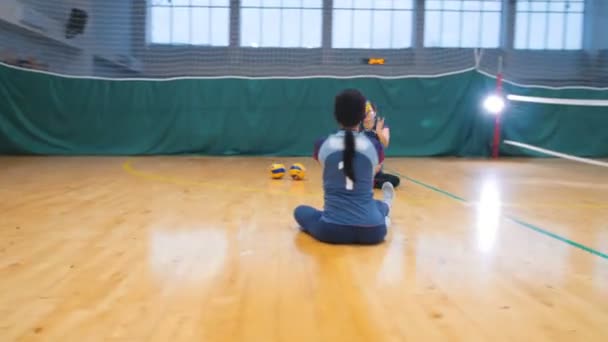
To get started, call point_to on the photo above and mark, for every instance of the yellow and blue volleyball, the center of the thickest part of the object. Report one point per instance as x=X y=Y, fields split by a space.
x=368 y=107
x=277 y=170
x=297 y=171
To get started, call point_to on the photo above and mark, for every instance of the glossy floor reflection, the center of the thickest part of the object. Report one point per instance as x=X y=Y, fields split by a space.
x=205 y=249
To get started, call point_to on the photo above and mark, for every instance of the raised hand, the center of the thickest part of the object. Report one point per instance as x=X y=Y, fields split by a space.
x=380 y=126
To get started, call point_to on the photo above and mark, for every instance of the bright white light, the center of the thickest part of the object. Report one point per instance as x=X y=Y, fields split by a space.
x=494 y=104
x=488 y=214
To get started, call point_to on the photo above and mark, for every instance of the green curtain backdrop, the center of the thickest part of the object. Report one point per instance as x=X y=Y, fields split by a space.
x=440 y=116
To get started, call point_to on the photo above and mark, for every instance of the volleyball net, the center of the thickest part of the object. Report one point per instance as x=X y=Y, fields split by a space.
x=572 y=129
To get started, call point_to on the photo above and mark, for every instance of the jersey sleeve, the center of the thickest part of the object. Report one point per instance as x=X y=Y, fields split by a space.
x=379 y=150
x=317 y=147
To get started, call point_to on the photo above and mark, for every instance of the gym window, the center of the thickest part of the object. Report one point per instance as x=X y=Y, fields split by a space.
x=372 y=24
x=549 y=25
x=189 y=22
x=462 y=23
x=281 y=23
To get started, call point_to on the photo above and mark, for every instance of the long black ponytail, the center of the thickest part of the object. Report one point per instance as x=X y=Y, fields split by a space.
x=349 y=154
x=349 y=111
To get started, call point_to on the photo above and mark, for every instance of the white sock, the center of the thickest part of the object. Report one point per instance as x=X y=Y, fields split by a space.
x=388 y=192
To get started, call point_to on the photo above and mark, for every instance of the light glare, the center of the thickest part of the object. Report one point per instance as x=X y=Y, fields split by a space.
x=494 y=104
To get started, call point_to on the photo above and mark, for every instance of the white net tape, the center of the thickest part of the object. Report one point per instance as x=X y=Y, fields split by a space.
x=558 y=101
x=556 y=154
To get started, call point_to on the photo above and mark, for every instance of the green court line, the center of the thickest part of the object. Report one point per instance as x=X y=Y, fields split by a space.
x=452 y=196
x=557 y=237
x=513 y=219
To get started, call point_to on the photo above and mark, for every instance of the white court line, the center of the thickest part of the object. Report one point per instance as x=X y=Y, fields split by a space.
x=556 y=154
x=558 y=101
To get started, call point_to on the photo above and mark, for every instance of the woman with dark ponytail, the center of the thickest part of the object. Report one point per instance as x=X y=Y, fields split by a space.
x=350 y=160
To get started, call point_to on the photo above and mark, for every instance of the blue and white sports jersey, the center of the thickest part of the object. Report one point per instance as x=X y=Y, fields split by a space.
x=347 y=202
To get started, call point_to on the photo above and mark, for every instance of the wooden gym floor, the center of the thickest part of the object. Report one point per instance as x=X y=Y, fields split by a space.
x=205 y=249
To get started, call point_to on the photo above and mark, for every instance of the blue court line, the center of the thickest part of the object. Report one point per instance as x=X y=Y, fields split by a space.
x=510 y=218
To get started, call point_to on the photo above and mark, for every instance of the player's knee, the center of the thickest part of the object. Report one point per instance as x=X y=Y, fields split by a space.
x=297 y=212
x=303 y=213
